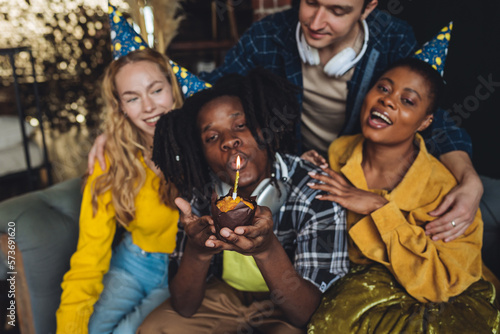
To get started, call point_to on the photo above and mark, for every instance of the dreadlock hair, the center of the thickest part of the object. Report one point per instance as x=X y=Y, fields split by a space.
x=126 y=174
x=271 y=110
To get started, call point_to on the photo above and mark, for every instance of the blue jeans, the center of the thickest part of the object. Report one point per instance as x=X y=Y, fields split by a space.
x=136 y=283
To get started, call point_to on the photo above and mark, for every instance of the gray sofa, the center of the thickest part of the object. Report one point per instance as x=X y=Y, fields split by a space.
x=46 y=233
x=46 y=227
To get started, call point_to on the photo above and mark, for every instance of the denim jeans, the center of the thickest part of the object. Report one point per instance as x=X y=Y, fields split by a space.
x=136 y=283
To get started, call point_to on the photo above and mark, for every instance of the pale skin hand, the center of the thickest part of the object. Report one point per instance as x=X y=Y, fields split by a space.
x=461 y=204
x=339 y=190
x=97 y=152
x=315 y=158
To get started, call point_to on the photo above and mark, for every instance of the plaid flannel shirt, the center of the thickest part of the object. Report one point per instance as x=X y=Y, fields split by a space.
x=271 y=43
x=312 y=232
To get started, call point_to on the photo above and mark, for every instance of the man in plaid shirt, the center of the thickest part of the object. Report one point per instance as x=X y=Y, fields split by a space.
x=268 y=276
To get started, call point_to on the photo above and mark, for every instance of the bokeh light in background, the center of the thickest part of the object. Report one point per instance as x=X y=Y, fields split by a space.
x=71 y=46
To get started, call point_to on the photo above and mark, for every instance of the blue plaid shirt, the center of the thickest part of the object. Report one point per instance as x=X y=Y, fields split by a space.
x=312 y=232
x=271 y=43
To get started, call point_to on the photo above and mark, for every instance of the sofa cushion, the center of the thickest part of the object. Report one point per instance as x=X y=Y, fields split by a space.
x=46 y=224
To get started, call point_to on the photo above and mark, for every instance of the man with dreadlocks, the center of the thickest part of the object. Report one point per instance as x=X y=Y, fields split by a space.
x=268 y=276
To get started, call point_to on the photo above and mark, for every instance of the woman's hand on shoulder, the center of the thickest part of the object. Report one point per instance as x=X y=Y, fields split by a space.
x=97 y=152
x=337 y=189
x=457 y=211
x=459 y=207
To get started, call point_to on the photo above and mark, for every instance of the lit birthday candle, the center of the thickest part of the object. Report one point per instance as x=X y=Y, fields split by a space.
x=235 y=189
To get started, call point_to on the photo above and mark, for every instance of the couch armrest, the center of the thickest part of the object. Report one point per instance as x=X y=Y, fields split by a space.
x=46 y=234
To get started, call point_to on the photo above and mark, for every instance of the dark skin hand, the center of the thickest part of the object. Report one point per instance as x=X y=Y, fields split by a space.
x=257 y=240
x=247 y=240
x=188 y=285
x=460 y=205
x=338 y=190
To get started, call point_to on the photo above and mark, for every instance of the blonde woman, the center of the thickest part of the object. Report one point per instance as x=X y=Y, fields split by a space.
x=112 y=290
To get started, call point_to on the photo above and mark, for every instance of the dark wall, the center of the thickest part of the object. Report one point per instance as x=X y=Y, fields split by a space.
x=472 y=70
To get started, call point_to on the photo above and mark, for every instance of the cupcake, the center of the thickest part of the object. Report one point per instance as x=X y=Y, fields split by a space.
x=230 y=213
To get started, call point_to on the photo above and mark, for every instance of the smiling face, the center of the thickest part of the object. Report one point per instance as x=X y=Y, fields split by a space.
x=144 y=93
x=396 y=107
x=224 y=136
x=330 y=23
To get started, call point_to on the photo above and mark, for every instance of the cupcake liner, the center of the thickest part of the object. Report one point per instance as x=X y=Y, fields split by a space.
x=239 y=216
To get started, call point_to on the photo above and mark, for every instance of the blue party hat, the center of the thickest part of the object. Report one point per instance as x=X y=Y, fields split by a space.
x=434 y=52
x=189 y=82
x=124 y=39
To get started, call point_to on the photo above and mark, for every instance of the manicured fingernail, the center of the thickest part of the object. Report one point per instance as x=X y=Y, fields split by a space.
x=312 y=173
x=318 y=196
x=210 y=244
x=324 y=166
x=310 y=184
x=224 y=233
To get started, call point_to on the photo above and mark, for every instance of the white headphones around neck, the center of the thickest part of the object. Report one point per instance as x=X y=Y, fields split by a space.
x=268 y=194
x=340 y=63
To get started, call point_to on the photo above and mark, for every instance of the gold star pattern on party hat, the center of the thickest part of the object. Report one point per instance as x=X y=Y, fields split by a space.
x=125 y=39
x=189 y=82
x=435 y=51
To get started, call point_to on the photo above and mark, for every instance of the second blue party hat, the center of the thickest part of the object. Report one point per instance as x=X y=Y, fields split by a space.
x=435 y=51
x=189 y=82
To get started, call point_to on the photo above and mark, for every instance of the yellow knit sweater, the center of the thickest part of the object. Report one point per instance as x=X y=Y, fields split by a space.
x=153 y=230
x=394 y=234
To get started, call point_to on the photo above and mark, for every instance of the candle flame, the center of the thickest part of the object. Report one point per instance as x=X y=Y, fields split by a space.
x=238 y=162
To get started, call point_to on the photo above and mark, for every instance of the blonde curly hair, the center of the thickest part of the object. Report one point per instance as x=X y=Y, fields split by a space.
x=126 y=174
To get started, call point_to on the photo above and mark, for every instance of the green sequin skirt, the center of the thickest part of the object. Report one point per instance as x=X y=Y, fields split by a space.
x=369 y=300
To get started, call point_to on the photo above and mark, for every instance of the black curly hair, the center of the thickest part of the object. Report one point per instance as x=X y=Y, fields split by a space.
x=271 y=110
